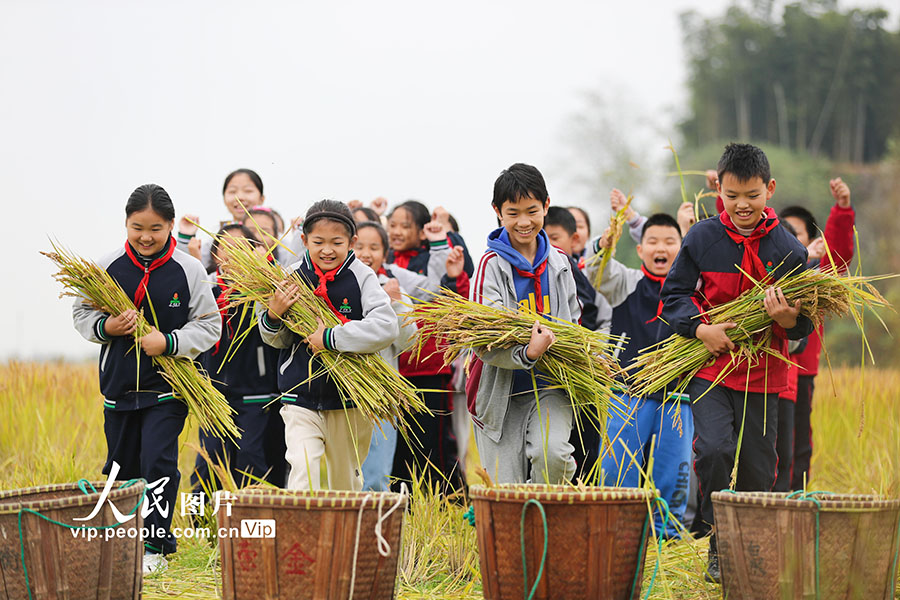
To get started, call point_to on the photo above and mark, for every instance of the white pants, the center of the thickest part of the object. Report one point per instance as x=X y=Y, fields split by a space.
x=521 y=447
x=340 y=436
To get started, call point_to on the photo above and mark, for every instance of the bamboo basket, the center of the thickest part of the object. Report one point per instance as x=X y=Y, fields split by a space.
x=59 y=564
x=767 y=546
x=594 y=545
x=325 y=542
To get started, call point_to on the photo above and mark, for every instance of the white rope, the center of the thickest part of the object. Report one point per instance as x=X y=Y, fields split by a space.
x=384 y=548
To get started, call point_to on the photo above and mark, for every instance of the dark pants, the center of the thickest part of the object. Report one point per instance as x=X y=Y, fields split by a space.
x=145 y=444
x=802 y=430
x=717 y=424
x=784 y=444
x=586 y=441
x=259 y=452
x=431 y=450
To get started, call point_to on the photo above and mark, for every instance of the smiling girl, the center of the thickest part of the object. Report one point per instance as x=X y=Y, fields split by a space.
x=142 y=417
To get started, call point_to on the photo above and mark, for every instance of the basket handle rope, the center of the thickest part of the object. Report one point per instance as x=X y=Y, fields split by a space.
x=82 y=485
x=666 y=515
x=384 y=547
x=530 y=594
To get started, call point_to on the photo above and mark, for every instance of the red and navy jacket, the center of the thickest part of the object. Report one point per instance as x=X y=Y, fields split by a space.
x=369 y=325
x=429 y=361
x=250 y=375
x=586 y=295
x=173 y=292
x=706 y=273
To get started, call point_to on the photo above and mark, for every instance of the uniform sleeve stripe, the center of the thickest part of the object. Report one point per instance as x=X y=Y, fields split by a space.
x=482 y=266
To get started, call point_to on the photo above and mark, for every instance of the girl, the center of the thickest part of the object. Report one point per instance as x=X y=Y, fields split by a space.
x=243 y=190
x=142 y=418
x=248 y=380
x=371 y=248
x=420 y=244
x=317 y=424
x=266 y=225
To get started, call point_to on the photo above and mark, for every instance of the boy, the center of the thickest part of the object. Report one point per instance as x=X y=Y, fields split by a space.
x=839 y=235
x=562 y=231
x=522 y=270
x=634 y=295
x=708 y=272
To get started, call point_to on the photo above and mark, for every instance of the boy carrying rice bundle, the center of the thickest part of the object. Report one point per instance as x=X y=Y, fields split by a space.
x=718 y=258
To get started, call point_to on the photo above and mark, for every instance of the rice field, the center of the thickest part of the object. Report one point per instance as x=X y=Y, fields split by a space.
x=51 y=431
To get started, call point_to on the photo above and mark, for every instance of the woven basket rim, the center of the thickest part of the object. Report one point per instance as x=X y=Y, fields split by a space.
x=827 y=501
x=517 y=492
x=331 y=499
x=8 y=504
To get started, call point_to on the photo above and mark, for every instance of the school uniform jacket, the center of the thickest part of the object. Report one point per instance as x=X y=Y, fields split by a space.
x=250 y=375
x=372 y=326
x=706 y=273
x=408 y=327
x=493 y=285
x=635 y=300
x=181 y=299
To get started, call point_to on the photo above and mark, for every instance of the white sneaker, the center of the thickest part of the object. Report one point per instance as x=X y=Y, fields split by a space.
x=154 y=563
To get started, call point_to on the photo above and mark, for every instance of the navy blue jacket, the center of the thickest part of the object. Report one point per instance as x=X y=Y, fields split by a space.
x=183 y=303
x=372 y=327
x=586 y=295
x=706 y=274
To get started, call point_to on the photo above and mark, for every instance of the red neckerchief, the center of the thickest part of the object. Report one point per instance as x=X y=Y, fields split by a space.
x=751 y=263
x=382 y=271
x=660 y=279
x=402 y=257
x=222 y=302
x=322 y=289
x=535 y=276
x=141 y=290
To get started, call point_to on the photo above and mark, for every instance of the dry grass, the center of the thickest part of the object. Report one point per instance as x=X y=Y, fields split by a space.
x=51 y=431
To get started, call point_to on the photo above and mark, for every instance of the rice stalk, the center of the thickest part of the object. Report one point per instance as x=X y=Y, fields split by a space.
x=616 y=225
x=363 y=380
x=87 y=281
x=822 y=294
x=580 y=362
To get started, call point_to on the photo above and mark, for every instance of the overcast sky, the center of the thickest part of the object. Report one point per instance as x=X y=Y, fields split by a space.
x=342 y=100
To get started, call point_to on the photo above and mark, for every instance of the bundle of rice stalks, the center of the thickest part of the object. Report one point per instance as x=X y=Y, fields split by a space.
x=366 y=380
x=87 y=281
x=616 y=224
x=580 y=361
x=821 y=294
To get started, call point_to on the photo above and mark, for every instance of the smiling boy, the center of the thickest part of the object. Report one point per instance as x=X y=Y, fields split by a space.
x=712 y=268
x=522 y=270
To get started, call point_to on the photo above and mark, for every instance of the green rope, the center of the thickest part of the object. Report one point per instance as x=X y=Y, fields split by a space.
x=81 y=486
x=641 y=547
x=530 y=594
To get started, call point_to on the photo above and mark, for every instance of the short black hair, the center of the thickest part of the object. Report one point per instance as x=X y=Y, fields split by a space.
x=379 y=228
x=268 y=212
x=587 y=217
x=660 y=219
x=150 y=196
x=454 y=226
x=556 y=215
x=232 y=226
x=517 y=182
x=253 y=175
x=744 y=161
x=420 y=214
x=331 y=210
x=371 y=215
x=789 y=227
x=798 y=212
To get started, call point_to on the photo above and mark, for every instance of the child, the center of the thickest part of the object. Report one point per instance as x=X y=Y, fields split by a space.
x=635 y=221
x=142 y=417
x=249 y=382
x=561 y=230
x=243 y=184
x=839 y=235
x=707 y=273
x=371 y=248
x=634 y=295
x=521 y=270
x=316 y=422
x=582 y=230
x=421 y=244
